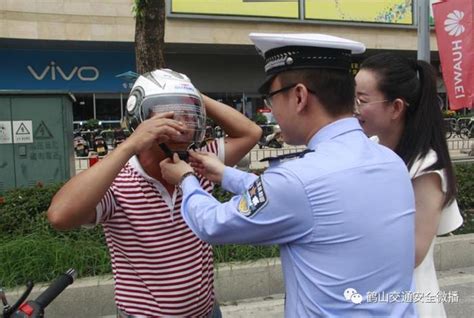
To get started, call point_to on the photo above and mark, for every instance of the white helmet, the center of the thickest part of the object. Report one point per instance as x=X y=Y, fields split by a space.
x=164 y=90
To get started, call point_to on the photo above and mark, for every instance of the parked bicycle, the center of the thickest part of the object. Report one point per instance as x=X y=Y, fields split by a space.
x=470 y=127
x=461 y=127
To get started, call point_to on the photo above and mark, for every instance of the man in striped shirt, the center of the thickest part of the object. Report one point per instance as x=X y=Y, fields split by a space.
x=160 y=267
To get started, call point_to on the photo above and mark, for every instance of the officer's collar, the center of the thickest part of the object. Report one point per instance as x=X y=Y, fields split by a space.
x=334 y=129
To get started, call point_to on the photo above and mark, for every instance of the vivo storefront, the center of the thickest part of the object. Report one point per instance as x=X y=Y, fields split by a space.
x=89 y=75
x=92 y=71
x=227 y=72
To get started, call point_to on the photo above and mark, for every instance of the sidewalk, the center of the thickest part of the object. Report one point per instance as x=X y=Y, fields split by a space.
x=255 y=289
x=458 y=282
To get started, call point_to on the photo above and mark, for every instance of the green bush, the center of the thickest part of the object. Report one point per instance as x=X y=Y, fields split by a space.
x=41 y=257
x=465 y=180
x=21 y=209
x=92 y=124
x=31 y=249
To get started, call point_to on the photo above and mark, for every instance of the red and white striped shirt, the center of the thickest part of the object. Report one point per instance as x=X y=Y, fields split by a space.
x=160 y=267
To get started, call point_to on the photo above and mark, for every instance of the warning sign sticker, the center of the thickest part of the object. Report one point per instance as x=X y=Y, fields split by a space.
x=6 y=132
x=22 y=132
x=42 y=132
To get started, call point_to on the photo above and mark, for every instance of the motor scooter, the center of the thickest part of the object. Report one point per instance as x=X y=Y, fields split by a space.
x=273 y=140
x=119 y=137
x=81 y=147
x=100 y=146
x=35 y=308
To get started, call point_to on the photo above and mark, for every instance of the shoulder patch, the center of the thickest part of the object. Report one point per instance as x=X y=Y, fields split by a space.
x=253 y=200
x=292 y=155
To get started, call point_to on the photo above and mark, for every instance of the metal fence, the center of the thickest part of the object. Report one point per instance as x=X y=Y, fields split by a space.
x=251 y=160
x=255 y=155
x=259 y=154
x=457 y=147
x=460 y=144
x=82 y=163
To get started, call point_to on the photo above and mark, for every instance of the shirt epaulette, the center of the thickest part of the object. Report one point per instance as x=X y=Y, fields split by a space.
x=292 y=155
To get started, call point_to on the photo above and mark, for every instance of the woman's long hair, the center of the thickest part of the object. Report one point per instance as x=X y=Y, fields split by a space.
x=415 y=83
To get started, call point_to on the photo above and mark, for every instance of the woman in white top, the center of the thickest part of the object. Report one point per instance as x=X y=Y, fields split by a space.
x=397 y=102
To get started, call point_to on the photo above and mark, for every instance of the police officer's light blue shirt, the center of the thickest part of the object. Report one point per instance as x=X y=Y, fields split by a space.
x=343 y=216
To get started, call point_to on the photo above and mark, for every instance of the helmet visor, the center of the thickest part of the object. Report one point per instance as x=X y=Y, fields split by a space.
x=187 y=109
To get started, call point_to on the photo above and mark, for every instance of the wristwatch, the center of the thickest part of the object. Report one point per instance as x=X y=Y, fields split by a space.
x=187 y=174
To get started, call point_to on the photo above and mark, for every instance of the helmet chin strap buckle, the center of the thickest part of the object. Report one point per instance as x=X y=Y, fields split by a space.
x=183 y=154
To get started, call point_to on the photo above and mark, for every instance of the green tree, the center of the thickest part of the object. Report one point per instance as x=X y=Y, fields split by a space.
x=92 y=124
x=260 y=119
x=149 y=34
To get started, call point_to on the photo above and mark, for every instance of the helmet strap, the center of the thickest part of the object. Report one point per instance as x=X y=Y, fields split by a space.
x=183 y=154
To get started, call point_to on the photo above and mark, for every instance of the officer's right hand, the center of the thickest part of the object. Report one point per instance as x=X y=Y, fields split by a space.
x=158 y=129
x=208 y=165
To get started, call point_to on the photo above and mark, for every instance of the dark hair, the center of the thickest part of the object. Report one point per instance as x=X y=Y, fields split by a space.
x=415 y=82
x=335 y=89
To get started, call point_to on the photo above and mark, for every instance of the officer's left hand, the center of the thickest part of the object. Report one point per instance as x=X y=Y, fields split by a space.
x=173 y=170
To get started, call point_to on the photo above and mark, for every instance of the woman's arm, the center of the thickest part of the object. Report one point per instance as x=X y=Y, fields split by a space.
x=429 y=205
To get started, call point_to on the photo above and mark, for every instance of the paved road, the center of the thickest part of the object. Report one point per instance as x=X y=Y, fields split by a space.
x=457 y=285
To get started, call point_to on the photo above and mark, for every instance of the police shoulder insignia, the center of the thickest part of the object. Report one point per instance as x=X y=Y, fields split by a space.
x=253 y=200
x=292 y=155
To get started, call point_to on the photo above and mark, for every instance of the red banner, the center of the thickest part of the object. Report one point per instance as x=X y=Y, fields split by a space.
x=455 y=36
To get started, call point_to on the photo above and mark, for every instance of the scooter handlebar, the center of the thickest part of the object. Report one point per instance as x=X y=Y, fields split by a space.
x=56 y=288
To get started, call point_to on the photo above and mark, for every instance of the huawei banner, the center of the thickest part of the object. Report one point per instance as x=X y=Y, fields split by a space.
x=454 y=33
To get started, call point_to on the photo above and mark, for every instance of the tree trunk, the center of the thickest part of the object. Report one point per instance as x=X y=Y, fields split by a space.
x=150 y=35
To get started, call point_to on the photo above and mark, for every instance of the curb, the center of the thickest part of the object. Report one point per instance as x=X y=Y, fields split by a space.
x=454 y=252
x=94 y=296
x=452 y=282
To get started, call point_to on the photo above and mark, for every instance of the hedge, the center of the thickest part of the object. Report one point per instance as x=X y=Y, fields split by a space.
x=31 y=249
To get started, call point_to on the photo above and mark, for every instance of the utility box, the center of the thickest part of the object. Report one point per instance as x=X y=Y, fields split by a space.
x=35 y=139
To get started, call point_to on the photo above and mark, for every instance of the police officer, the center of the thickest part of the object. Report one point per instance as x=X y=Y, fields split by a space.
x=342 y=211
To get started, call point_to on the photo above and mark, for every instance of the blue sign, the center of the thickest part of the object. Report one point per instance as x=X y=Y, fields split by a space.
x=74 y=71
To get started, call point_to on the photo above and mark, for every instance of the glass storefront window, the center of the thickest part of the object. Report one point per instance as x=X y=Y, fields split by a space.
x=252 y=102
x=111 y=108
x=83 y=107
x=108 y=109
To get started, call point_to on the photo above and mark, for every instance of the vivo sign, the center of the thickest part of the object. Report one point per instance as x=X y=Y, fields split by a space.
x=65 y=70
x=53 y=71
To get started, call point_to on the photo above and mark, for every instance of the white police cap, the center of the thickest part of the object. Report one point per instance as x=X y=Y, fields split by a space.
x=283 y=52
